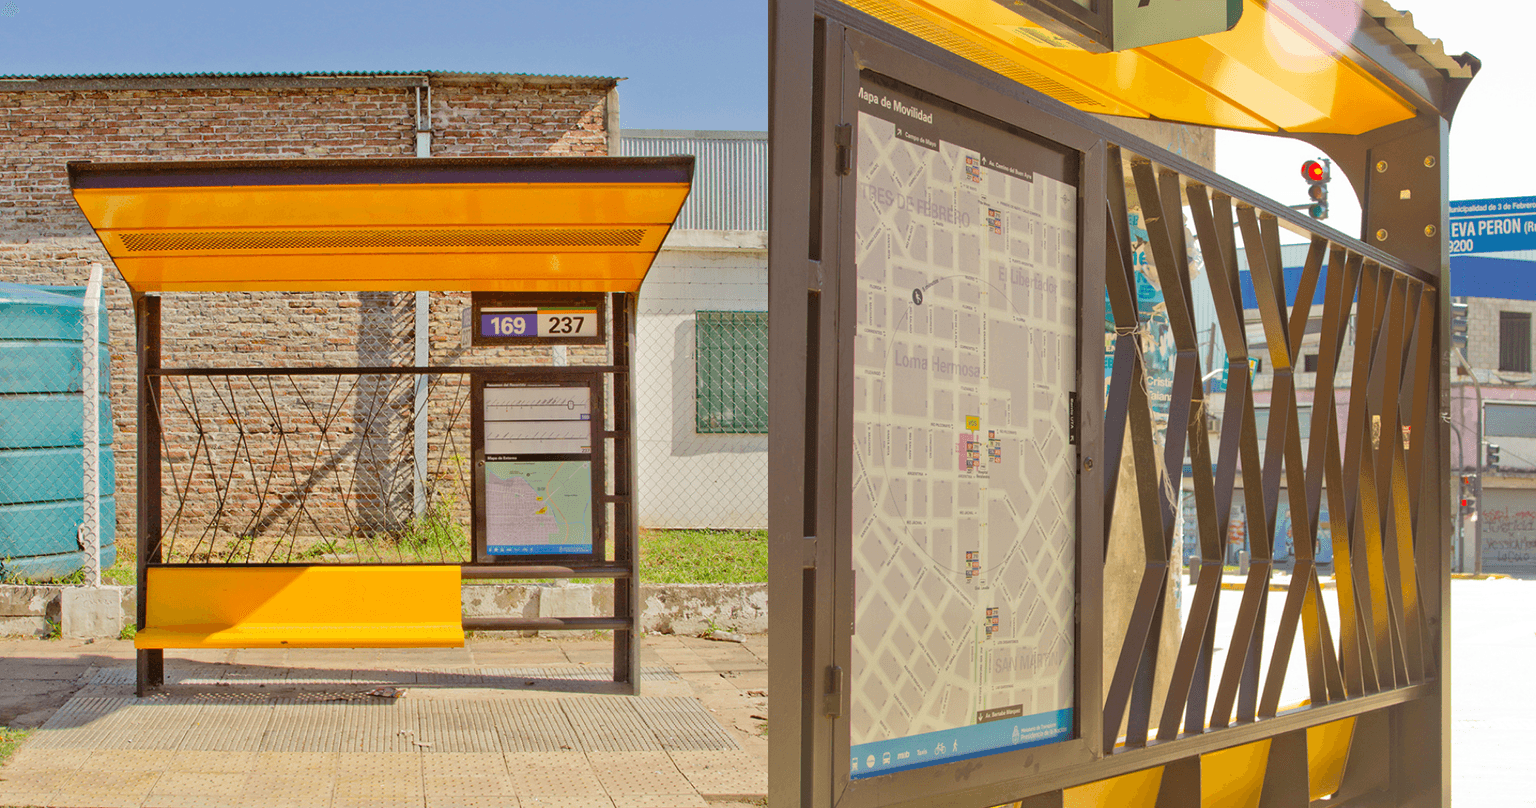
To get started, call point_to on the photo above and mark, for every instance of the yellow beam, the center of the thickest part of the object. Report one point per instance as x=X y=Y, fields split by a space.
x=1269 y=73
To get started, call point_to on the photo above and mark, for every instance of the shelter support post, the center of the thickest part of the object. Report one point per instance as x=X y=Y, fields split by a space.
x=1402 y=175
x=801 y=365
x=1407 y=193
x=626 y=590
x=146 y=310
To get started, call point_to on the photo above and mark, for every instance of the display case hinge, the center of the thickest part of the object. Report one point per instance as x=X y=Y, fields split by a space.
x=843 y=136
x=832 y=701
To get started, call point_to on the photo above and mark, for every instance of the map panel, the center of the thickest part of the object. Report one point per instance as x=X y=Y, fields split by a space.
x=537 y=445
x=538 y=507
x=964 y=500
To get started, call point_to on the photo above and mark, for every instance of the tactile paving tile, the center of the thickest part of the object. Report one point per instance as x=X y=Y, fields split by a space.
x=682 y=723
x=378 y=776
x=287 y=786
x=480 y=801
x=35 y=781
x=212 y=761
x=157 y=800
x=199 y=784
x=381 y=726
x=116 y=723
x=318 y=677
x=76 y=719
x=302 y=726
x=633 y=775
x=107 y=788
x=228 y=722
x=609 y=725
x=456 y=726
x=30 y=757
x=203 y=675
x=128 y=760
x=466 y=775
x=562 y=778
x=731 y=774
x=532 y=726
x=180 y=674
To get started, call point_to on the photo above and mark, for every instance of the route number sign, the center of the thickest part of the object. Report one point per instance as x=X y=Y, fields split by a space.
x=508 y=319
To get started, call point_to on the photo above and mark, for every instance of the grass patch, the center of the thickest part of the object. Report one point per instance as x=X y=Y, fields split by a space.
x=10 y=740
x=704 y=556
x=120 y=573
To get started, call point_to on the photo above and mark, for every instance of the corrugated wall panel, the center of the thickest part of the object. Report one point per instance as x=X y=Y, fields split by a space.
x=730 y=177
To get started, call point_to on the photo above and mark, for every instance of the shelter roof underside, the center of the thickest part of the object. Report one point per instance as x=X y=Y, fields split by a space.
x=1344 y=67
x=588 y=224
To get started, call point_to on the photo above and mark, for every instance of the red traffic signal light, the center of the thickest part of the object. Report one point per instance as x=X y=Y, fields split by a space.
x=1316 y=173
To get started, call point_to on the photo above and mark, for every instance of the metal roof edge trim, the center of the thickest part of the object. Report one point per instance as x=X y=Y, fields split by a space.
x=694 y=134
x=283 y=81
x=1400 y=23
x=85 y=175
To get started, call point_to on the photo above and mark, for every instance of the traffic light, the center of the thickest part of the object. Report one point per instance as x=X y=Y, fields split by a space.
x=1493 y=454
x=1317 y=173
x=1459 y=325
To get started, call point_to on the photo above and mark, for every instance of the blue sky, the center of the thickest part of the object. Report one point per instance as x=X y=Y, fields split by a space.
x=690 y=64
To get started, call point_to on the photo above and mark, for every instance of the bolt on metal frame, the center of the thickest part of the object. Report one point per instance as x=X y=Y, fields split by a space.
x=1387 y=671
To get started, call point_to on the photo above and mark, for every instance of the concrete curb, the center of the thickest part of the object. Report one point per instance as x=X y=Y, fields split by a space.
x=693 y=609
x=73 y=611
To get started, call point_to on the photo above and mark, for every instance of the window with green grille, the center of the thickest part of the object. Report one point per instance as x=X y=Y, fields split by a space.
x=731 y=390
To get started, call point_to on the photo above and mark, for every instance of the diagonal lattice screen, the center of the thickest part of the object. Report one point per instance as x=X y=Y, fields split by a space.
x=1310 y=397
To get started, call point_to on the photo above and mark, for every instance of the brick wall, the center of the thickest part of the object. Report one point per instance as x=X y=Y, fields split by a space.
x=45 y=240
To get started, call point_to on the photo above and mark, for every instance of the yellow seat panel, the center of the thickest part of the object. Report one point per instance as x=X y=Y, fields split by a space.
x=302 y=607
x=336 y=635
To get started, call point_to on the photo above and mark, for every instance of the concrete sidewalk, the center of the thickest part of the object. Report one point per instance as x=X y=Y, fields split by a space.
x=505 y=722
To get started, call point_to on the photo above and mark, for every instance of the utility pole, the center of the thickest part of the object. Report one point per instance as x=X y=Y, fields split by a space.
x=1459 y=312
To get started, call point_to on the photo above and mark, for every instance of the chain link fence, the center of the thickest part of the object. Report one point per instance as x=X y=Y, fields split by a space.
x=347 y=467
x=352 y=466
x=701 y=396
x=46 y=430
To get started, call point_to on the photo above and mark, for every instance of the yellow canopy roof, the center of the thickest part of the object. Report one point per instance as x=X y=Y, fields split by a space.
x=1340 y=67
x=581 y=224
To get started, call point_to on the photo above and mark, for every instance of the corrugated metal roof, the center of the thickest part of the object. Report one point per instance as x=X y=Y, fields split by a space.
x=1400 y=24
x=730 y=175
x=297 y=74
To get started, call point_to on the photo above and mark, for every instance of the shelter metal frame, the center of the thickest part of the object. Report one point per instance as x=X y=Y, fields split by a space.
x=622 y=570
x=549 y=226
x=1383 y=682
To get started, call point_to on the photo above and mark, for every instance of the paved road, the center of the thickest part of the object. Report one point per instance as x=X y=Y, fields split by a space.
x=1493 y=636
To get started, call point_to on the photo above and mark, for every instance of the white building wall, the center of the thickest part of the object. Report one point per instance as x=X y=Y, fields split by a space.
x=687 y=479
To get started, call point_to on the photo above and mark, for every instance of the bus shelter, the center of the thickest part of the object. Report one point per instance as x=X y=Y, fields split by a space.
x=287 y=499
x=960 y=254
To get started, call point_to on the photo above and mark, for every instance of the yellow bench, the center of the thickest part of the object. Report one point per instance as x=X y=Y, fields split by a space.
x=302 y=607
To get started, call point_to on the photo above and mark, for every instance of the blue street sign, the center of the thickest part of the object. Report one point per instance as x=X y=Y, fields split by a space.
x=1493 y=225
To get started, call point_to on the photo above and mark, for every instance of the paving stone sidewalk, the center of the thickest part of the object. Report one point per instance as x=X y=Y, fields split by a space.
x=534 y=723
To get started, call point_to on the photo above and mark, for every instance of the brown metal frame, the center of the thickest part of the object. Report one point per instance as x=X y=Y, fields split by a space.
x=623 y=570
x=1388 y=505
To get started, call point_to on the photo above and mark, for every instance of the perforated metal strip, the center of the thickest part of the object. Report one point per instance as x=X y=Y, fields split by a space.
x=195 y=241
